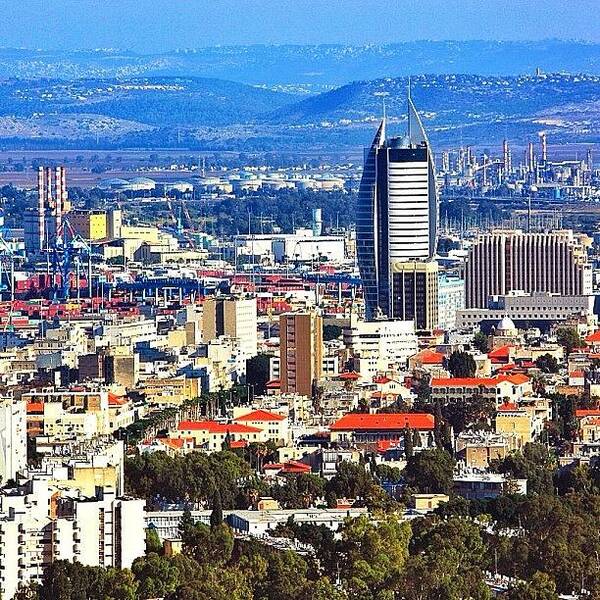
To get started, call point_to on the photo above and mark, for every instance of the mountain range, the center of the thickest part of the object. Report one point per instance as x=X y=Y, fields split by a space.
x=269 y=107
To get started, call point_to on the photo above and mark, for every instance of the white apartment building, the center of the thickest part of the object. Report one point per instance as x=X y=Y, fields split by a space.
x=38 y=526
x=233 y=317
x=381 y=346
x=451 y=299
x=13 y=437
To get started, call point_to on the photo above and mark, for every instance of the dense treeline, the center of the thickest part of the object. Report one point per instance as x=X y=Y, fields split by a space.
x=195 y=479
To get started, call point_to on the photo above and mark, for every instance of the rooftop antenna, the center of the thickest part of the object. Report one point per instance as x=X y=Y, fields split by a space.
x=409 y=100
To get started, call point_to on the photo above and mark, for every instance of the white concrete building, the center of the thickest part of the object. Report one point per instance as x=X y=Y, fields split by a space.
x=451 y=299
x=529 y=308
x=381 y=345
x=38 y=525
x=233 y=317
x=13 y=437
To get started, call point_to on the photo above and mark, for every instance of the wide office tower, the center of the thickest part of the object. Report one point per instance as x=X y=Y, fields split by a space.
x=233 y=317
x=300 y=352
x=503 y=261
x=397 y=214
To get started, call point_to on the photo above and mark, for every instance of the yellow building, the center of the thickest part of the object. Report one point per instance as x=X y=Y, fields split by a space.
x=89 y=224
x=516 y=424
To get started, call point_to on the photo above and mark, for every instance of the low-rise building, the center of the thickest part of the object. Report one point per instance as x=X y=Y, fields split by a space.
x=358 y=428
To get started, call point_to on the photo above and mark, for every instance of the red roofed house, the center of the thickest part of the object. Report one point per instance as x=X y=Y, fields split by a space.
x=501 y=388
x=373 y=428
x=589 y=425
x=430 y=361
x=275 y=426
x=211 y=435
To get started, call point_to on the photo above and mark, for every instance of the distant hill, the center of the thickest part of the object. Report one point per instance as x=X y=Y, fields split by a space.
x=160 y=102
x=471 y=108
x=309 y=68
x=203 y=113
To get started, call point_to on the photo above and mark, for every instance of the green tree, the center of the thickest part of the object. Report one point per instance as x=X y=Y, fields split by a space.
x=541 y=587
x=481 y=342
x=372 y=556
x=461 y=364
x=547 y=363
x=447 y=559
x=408 y=443
x=569 y=339
x=331 y=332
x=157 y=576
x=430 y=471
x=257 y=373
x=535 y=463
x=153 y=543
x=216 y=516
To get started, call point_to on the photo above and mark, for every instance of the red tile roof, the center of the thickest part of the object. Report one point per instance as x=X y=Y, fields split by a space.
x=593 y=337
x=429 y=357
x=114 y=400
x=35 y=408
x=260 y=415
x=381 y=380
x=500 y=354
x=291 y=466
x=507 y=406
x=587 y=412
x=214 y=427
x=576 y=374
x=517 y=379
x=390 y=421
x=350 y=375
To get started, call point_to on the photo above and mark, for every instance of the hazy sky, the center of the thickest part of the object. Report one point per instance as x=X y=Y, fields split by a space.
x=158 y=25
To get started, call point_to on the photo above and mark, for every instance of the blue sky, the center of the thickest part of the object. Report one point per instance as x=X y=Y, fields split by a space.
x=159 y=25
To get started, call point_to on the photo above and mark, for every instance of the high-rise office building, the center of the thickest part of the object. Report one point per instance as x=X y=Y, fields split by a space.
x=501 y=262
x=397 y=212
x=300 y=352
x=232 y=317
x=44 y=221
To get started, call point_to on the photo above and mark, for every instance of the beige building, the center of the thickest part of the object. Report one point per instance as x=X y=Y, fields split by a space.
x=503 y=261
x=233 y=317
x=300 y=352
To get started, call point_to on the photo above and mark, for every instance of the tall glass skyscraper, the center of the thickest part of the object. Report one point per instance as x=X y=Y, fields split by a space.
x=397 y=216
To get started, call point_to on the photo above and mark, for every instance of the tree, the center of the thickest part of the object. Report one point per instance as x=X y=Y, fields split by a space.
x=331 y=332
x=541 y=587
x=372 y=556
x=430 y=472
x=447 y=558
x=547 y=363
x=408 y=443
x=157 y=575
x=481 y=342
x=153 y=543
x=216 y=516
x=461 y=364
x=535 y=464
x=257 y=373
x=569 y=339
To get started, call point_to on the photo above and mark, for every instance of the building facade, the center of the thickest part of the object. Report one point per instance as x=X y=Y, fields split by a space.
x=233 y=317
x=501 y=261
x=300 y=352
x=397 y=212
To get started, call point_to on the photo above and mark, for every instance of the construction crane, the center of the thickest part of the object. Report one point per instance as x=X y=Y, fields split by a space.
x=67 y=252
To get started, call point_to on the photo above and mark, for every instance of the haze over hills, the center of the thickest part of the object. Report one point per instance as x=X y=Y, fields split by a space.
x=217 y=114
x=309 y=68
